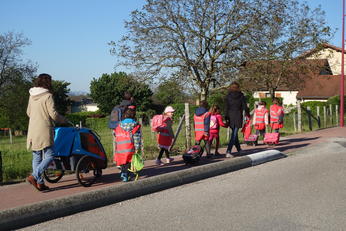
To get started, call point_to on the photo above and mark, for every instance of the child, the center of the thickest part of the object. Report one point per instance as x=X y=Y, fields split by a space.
x=128 y=141
x=215 y=123
x=276 y=116
x=260 y=118
x=202 y=125
x=165 y=136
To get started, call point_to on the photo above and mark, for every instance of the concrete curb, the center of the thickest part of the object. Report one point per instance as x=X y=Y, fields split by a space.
x=51 y=209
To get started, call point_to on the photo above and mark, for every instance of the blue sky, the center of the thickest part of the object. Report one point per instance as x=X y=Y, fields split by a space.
x=69 y=37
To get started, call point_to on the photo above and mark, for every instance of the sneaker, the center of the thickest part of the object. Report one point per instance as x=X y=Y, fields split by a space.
x=229 y=155
x=169 y=160
x=159 y=162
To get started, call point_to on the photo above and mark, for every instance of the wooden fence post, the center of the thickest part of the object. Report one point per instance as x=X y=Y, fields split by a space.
x=187 y=126
x=331 y=113
x=294 y=121
x=0 y=168
x=11 y=138
x=299 y=109
x=337 y=114
x=309 y=117
x=325 y=116
x=318 y=117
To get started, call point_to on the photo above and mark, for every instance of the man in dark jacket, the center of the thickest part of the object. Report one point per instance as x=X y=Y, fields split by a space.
x=235 y=105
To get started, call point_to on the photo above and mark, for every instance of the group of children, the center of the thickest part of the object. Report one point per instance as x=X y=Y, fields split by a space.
x=207 y=125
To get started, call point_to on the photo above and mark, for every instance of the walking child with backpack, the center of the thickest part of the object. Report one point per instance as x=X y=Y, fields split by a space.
x=260 y=118
x=128 y=142
x=215 y=122
x=165 y=134
x=202 y=125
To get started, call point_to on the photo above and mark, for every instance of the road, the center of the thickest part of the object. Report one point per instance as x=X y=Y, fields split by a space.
x=305 y=191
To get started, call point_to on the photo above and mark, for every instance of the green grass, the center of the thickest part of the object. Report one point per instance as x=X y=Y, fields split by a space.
x=16 y=160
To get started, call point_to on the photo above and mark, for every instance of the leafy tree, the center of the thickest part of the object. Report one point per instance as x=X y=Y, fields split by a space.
x=108 y=91
x=169 y=92
x=14 y=101
x=60 y=95
x=290 y=28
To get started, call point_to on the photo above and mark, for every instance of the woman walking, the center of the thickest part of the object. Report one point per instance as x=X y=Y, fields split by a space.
x=235 y=105
x=40 y=139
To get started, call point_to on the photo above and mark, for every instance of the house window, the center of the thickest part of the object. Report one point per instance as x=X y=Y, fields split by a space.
x=278 y=95
x=261 y=95
x=268 y=95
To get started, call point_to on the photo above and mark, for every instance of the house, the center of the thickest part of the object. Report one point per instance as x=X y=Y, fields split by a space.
x=82 y=103
x=329 y=52
x=319 y=84
x=320 y=88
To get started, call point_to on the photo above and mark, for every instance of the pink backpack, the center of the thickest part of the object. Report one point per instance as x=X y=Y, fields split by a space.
x=156 y=123
x=214 y=124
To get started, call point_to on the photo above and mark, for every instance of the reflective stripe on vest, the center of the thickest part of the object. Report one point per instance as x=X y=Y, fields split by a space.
x=199 y=125
x=260 y=113
x=124 y=140
x=275 y=112
x=164 y=138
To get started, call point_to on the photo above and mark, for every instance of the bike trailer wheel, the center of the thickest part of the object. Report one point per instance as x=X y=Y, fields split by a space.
x=85 y=171
x=53 y=175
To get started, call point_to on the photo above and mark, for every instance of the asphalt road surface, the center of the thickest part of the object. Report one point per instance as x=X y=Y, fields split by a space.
x=305 y=191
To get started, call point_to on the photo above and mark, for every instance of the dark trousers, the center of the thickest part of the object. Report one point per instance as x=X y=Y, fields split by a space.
x=261 y=132
x=234 y=140
x=206 y=145
x=163 y=150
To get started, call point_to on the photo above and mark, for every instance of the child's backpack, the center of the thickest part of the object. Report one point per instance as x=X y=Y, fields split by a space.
x=115 y=116
x=156 y=123
x=214 y=123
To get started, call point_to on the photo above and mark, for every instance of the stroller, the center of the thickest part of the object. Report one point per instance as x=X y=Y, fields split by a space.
x=77 y=149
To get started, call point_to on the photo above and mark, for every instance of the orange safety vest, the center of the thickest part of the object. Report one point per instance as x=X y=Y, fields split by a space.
x=125 y=146
x=275 y=112
x=199 y=126
x=163 y=137
x=259 y=120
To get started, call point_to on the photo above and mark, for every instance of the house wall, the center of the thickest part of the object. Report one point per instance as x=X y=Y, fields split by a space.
x=90 y=107
x=333 y=57
x=289 y=97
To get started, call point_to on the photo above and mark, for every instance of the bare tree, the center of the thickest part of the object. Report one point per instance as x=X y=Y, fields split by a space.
x=273 y=49
x=199 y=39
x=206 y=41
x=11 y=65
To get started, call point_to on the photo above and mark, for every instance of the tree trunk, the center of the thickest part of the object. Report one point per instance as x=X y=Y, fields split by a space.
x=204 y=92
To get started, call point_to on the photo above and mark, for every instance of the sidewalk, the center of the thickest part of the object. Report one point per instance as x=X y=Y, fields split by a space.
x=24 y=194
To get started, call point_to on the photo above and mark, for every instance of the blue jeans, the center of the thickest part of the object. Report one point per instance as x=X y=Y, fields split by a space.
x=40 y=161
x=234 y=140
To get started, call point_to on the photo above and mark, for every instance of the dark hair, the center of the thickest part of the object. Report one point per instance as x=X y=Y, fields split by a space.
x=127 y=96
x=262 y=103
x=44 y=81
x=129 y=113
x=204 y=104
x=276 y=101
x=234 y=86
x=215 y=110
